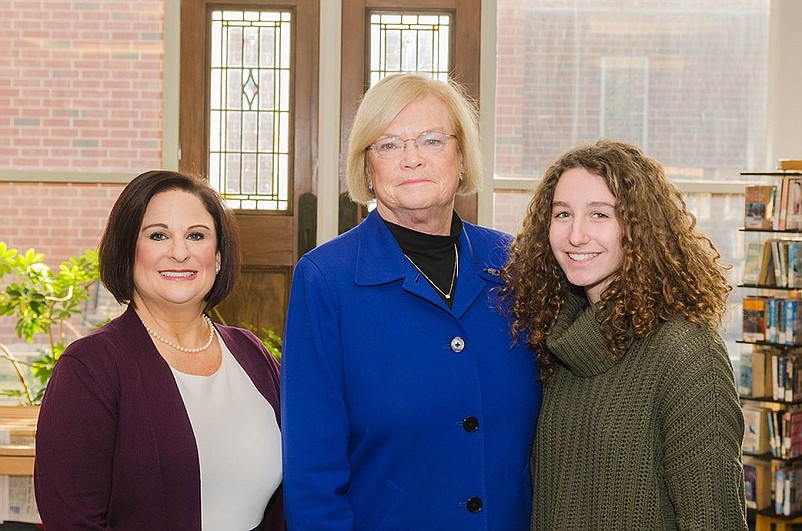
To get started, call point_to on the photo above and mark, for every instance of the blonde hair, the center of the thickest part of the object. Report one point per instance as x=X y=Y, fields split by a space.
x=382 y=103
x=669 y=268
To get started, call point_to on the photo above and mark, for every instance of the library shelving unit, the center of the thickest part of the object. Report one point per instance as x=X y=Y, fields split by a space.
x=773 y=363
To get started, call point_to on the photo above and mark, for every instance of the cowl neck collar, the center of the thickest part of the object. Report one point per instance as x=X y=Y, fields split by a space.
x=576 y=340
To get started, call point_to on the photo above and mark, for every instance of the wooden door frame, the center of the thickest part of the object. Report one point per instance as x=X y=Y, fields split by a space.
x=271 y=242
x=467 y=17
x=193 y=125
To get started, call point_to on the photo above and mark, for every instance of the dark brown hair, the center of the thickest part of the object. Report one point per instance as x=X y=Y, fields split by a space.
x=117 y=250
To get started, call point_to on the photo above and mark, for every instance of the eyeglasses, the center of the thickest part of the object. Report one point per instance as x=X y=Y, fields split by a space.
x=428 y=142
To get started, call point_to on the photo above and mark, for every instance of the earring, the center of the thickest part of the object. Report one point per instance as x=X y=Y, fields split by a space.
x=370 y=186
x=216 y=270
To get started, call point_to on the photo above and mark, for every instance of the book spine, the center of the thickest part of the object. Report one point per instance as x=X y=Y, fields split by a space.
x=771 y=320
x=775 y=375
x=790 y=316
x=770 y=422
x=779 y=491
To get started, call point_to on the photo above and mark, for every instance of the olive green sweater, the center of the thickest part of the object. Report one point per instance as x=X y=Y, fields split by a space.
x=651 y=442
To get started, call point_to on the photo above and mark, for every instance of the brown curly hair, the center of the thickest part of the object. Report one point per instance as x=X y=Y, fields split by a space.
x=669 y=268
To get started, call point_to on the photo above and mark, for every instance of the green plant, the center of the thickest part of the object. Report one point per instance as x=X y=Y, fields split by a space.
x=272 y=342
x=42 y=302
x=270 y=339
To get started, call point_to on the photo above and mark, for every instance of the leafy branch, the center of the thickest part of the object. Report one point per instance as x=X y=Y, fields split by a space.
x=43 y=302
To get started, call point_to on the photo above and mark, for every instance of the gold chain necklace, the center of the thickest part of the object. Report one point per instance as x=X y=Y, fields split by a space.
x=453 y=274
x=179 y=347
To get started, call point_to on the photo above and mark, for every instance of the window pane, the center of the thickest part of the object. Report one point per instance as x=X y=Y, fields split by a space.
x=719 y=216
x=684 y=79
x=687 y=80
x=409 y=42
x=249 y=108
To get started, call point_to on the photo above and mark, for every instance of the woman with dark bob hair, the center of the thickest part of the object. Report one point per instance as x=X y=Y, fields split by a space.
x=162 y=419
x=621 y=296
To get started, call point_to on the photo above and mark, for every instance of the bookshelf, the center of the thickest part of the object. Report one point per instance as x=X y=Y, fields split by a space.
x=770 y=383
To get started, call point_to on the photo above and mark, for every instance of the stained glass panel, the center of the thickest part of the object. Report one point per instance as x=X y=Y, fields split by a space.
x=249 y=134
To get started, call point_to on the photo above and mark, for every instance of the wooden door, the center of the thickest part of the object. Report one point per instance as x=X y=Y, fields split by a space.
x=248 y=122
x=360 y=64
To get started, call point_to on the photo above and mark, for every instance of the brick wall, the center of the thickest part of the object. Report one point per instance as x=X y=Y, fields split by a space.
x=81 y=85
x=80 y=91
x=60 y=220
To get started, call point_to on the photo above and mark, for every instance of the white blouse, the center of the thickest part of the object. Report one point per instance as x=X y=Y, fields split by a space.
x=239 y=445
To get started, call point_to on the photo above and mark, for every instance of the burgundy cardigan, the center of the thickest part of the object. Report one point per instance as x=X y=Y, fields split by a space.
x=114 y=445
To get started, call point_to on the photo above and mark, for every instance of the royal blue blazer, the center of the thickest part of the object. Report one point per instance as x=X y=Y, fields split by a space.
x=399 y=413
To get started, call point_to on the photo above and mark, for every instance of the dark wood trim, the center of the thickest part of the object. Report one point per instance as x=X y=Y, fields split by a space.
x=354 y=81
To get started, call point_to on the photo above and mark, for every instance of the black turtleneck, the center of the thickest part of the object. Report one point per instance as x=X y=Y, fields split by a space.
x=433 y=255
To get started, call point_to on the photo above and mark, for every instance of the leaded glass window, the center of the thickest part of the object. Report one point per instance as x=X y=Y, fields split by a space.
x=409 y=42
x=249 y=133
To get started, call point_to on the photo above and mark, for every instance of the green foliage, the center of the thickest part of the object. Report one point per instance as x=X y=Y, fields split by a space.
x=270 y=339
x=42 y=302
x=272 y=342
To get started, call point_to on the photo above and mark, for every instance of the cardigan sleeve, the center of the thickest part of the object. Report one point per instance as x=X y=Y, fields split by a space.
x=75 y=439
x=702 y=427
x=315 y=427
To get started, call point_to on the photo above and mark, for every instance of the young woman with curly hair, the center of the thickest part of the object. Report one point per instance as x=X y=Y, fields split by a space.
x=620 y=295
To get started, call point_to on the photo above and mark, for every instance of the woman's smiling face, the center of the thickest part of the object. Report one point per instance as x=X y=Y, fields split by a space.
x=584 y=233
x=176 y=252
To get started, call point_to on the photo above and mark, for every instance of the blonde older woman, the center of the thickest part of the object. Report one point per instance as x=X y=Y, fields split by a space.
x=405 y=403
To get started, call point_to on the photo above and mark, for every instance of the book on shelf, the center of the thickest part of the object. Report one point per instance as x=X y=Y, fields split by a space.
x=779 y=490
x=753 y=263
x=773 y=262
x=793 y=378
x=759 y=206
x=793 y=214
x=779 y=257
x=755 y=373
x=775 y=429
x=787 y=485
x=771 y=372
x=767 y=275
x=757 y=483
x=772 y=435
x=786 y=377
x=782 y=210
x=795 y=264
x=792 y=434
x=773 y=316
x=789 y=164
x=756 y=431
x=792 y=318
x=754 y=318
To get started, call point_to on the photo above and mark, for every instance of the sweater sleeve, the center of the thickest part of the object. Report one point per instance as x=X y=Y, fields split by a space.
x=315 y=425
x=702 y=430
x=74 y=446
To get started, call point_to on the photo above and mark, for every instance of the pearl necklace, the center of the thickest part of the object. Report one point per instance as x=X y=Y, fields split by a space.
x=179 y=347
x=454 y=274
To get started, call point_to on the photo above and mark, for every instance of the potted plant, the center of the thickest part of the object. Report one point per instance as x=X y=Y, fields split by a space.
x=43 y=302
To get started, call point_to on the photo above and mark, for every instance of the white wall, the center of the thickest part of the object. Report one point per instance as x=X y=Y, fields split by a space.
x=785 y=81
